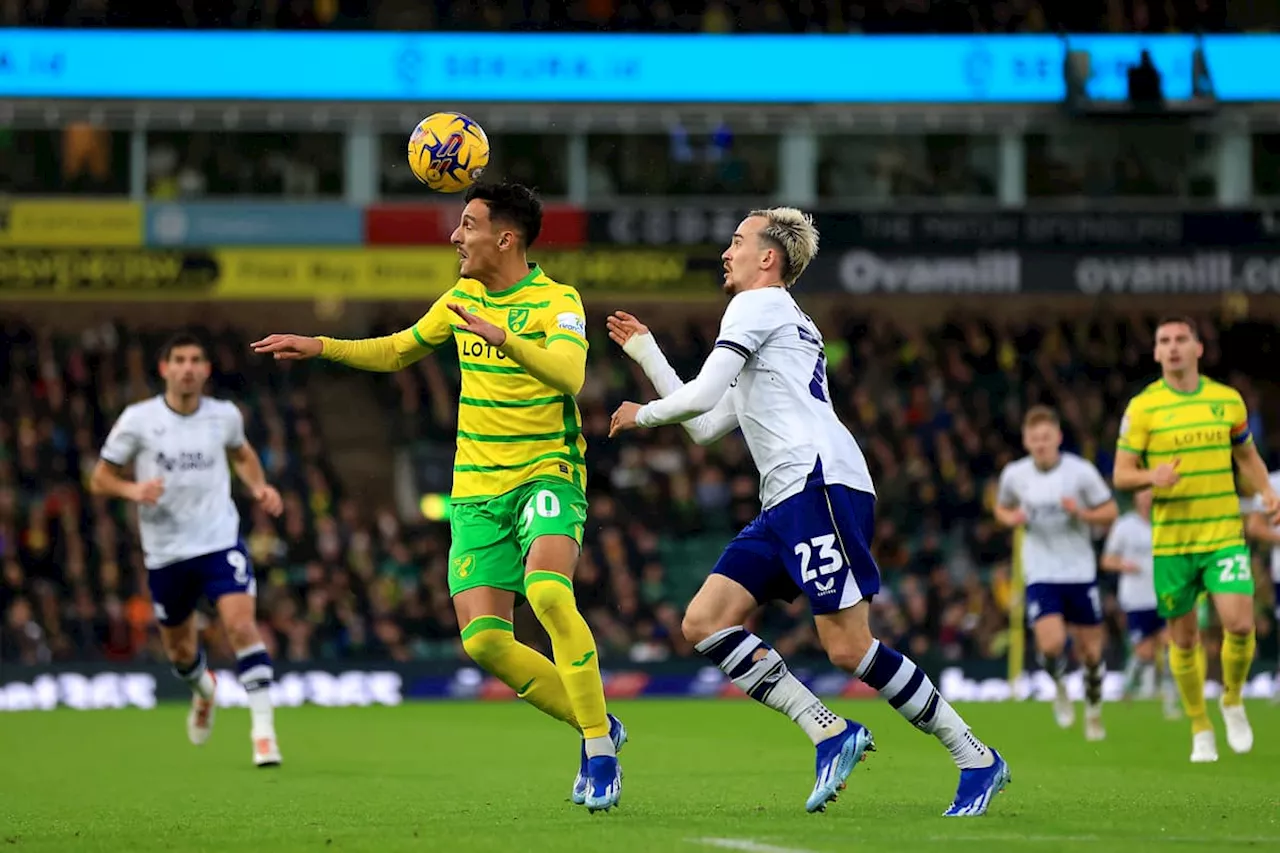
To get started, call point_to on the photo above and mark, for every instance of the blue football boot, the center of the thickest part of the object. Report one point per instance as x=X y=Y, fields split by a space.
x=604 y=783
x=581 y=785
x=978 y=786
x=837 y=756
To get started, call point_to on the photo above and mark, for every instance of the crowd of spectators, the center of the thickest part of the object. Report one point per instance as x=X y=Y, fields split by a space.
x=689 y=16
x=343 y=576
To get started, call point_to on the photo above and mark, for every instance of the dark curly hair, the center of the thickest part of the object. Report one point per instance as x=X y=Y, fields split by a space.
x=512 y=204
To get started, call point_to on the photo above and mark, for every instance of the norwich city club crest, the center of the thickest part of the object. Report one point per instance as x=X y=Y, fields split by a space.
x=517 y=318
x=1217 y=409
x=463 y=566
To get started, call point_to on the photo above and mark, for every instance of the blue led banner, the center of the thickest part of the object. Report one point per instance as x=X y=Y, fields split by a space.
x=254 y=224
x=468 y=68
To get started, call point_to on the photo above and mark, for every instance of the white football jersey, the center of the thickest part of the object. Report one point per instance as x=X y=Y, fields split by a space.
x=1130 y=539
x=1248 y=505
x=195 y=515
x=1056 y=548
x=781 y=397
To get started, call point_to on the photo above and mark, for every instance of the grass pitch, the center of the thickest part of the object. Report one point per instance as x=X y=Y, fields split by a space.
x=700 y=776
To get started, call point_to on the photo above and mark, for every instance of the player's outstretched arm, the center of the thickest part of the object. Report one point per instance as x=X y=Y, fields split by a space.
x=380 y=355
x=698 y=396
x=636 y=341
x=108 y=480
x=248 y=467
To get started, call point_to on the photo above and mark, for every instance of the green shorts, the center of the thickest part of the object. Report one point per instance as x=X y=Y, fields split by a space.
x=491 y=538
x=1181 y=578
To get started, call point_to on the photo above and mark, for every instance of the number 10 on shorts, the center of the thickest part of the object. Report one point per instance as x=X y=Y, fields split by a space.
x=545 y=504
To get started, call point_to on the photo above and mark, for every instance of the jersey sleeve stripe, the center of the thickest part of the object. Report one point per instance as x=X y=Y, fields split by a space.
x=1122 y=446
x=490 y=368
x=417 y=336
x=577 y=340
x=508 y=404
x=735 y=347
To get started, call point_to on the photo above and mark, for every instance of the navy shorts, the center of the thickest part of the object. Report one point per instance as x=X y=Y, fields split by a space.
x=177 y=588
x=1143 y=624
x=1076 y=603
x=817 y=542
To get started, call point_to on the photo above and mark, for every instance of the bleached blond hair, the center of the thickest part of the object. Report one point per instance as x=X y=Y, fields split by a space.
x=794 y=234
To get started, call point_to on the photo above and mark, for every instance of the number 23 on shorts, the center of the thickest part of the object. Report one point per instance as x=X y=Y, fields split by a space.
x=1230 y=572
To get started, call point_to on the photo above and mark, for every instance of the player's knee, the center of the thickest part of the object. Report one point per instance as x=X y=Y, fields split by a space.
x=484 y=647
x=243 y=633
x=181 y=650
x=848 y=652
x=697 y=625
x=552 y=602
x=1237 y=623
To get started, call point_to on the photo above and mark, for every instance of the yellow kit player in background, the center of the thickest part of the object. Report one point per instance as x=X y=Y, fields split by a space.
x=519 y=481
x=1180 y=436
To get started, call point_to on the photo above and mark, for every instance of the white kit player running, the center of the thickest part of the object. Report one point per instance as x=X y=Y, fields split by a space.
x=178 y=444
x=1057 y=497
x=1128 y=551
x=1257 y=529
x=767 y=376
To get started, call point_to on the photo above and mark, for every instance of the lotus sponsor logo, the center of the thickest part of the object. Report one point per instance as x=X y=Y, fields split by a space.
x=861 y=271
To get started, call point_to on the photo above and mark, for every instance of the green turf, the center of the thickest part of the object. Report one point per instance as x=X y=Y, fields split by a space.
x=496 y=777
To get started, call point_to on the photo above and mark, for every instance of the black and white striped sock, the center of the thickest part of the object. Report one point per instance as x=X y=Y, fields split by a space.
x=760 y=672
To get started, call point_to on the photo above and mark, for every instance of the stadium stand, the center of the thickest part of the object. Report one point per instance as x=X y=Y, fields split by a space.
x=936 y=407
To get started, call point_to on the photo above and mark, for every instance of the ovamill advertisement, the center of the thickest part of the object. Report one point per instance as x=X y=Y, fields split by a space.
x=1005 y=271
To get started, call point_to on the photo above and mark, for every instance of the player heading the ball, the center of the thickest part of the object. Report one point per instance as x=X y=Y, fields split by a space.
x=767 y=375
x=519 y=476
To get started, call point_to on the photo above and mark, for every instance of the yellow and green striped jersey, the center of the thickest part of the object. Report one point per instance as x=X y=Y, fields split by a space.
x=512 y=428
x=1201 y=512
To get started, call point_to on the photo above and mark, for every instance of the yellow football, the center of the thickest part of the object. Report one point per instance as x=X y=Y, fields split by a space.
x=448 y=152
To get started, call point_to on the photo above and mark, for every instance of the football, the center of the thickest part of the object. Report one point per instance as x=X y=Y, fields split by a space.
x=448 y=152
